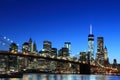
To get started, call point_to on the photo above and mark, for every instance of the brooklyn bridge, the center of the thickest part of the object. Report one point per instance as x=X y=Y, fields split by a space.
x=14 y=60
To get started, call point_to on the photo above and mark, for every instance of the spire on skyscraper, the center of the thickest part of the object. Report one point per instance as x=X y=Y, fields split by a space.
x=91 y=44
x=90 y=28
x=105 y=47
x=30 y=40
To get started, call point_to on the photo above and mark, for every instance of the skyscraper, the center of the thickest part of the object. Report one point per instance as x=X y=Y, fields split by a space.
x=13 y=48
x=64 y=52
x=47 y=45
x=25 y=47
x=29 y=46
x=54 y=52
x=102 y=54
x=105 y=54
x=67 y=45
x=91 y=44
x=32 y=46
x=100 y=49
x=100 y=45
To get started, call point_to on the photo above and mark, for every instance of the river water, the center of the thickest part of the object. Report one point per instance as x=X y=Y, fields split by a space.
x=64 y=77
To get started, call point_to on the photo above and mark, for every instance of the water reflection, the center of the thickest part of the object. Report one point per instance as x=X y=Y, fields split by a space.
x=63 y=77
x=114 y=78
x=53 y=77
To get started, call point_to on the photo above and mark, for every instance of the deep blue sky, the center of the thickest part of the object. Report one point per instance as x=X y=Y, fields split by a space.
x=62 y=20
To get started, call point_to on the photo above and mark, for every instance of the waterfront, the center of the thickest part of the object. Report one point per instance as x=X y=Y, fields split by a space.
x=64 y=77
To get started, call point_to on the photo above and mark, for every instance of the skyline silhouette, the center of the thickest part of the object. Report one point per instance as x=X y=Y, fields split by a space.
x=5 y=42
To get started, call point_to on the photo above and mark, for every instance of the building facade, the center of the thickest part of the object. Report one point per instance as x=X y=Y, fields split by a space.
x=54 y=52
x=91 y=44
x=13 y=48
x=83 y=57
x=67 y=45
x=29 y=46
x=64 y=52
x=102 y=53
x=100 y=50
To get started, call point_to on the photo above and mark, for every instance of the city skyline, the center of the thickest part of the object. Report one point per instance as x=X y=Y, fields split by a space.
x=31 y=46
x=61 y=21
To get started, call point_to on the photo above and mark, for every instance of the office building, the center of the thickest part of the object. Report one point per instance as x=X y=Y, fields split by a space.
x=13 y=48
x=64 y=52
x=67 y=45
x=54 y=52
x=25 y=47
x=29 y=46
x=47 y=45
x=91 y=44
x=83 y=56
x=102 y=53
x=105 y=54
x=32 y=46
x=100 y=49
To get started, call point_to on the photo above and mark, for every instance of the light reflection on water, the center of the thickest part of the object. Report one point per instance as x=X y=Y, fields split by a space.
x=63 y=77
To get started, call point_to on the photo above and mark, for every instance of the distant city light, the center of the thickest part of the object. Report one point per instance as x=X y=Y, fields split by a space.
x=11 y=41
x=3 y=43
x=4 y=37
x=17 y=44
x=19 y=50
x=8 y=39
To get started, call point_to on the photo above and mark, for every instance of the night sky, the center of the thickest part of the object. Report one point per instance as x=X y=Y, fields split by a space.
x=60 y=21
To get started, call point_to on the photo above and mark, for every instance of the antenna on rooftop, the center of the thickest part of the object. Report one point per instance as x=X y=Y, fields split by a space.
x=90 y=28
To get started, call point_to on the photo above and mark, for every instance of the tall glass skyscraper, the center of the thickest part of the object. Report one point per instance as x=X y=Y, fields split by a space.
x=67 y=45
x=91 y=44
